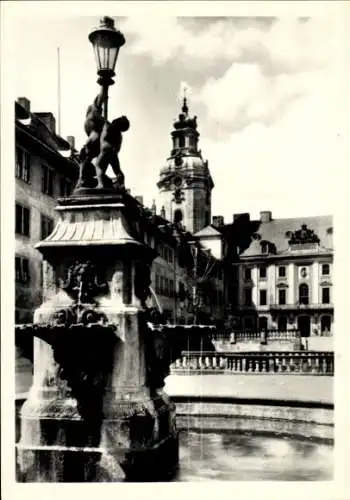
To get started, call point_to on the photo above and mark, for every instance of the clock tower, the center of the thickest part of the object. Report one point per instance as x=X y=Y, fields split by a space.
x=185 y=182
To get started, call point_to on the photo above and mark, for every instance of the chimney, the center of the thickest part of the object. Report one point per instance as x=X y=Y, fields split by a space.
x=139 y=199
x=266 y=216
x=71 y=141
x=25 y=103
x=245 y=217
x=218 y=221
x=49 y=121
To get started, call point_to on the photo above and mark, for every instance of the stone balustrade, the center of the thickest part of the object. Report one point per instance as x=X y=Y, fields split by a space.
x=258 y=336
x=293 y=362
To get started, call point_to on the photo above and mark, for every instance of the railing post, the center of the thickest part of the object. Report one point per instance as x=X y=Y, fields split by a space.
x=263 y=337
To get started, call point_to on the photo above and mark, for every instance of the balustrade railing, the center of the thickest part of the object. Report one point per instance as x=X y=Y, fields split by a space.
x=265 y=335
x=294 y=362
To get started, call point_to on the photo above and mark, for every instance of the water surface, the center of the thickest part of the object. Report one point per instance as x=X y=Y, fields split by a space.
x=225 y=456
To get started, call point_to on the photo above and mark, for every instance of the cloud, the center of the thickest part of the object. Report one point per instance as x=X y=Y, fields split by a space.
x=291 y=43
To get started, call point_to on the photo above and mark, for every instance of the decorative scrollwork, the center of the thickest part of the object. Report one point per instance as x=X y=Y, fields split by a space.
x=303 y=235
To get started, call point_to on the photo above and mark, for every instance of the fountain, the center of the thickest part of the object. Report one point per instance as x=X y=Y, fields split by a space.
x=96 y=410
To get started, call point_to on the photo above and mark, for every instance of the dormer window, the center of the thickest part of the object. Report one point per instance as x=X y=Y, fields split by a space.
x=264 y=247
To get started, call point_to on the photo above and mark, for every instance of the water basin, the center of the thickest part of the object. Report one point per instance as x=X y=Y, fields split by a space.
x=234 y=456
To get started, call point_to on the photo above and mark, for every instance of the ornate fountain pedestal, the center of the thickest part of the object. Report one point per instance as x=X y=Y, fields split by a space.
x=96 y=410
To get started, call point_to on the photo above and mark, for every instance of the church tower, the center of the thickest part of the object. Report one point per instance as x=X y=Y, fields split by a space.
x=185 y=182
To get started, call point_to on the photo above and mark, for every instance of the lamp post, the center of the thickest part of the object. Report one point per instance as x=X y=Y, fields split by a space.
x=106 y=41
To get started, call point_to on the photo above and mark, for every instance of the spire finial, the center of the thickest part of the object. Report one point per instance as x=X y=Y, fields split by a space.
x=184 y=106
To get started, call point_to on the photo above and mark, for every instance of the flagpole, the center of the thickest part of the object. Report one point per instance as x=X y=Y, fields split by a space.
x=58 y=92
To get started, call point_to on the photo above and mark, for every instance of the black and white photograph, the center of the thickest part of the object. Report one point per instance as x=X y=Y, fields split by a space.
x=174 y=180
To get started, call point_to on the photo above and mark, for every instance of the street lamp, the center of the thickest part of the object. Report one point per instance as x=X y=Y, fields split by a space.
x=106 y=41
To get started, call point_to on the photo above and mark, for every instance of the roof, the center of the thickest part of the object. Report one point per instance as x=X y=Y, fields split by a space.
x=208 y=231
x=279 y=231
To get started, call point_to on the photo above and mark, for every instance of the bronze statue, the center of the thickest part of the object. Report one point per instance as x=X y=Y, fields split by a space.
x=110 y=144
x=103 y=144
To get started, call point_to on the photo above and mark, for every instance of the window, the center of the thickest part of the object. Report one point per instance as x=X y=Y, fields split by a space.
x=22 y=270
x=282 y=272
x=248 y=297
x=248 y=323
x=326 y=322
x=22 y=220
x=263 y=297
x=282 y=297
x=46 y=226
x=65 y=187
x=178 y=216
x=325 y=295
x=47 y=180
x=171 y=285
x=182 y=292
x=248 y=273
x=22 y=165
x=303 y=294
x=263 y=323
x=282 y=323
x=182 y=141
x=325 y=269
x=264 y=247
x=262 y=272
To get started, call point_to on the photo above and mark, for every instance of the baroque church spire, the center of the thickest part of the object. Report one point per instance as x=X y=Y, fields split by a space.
x=185 y=182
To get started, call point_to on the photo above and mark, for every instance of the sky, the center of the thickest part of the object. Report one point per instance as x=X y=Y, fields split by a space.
x=266 y=91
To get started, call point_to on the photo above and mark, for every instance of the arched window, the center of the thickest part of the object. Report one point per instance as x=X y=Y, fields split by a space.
x=182 y=141
x=303 y=294
x=178 y=216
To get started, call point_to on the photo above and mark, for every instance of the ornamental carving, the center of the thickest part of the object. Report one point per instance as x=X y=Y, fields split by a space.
x=303 y=236
x=178 y=196
x=84 y=357
x=82 y=282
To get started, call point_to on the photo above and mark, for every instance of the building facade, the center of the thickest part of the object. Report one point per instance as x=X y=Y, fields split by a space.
x=42 y=175
x=285 y=276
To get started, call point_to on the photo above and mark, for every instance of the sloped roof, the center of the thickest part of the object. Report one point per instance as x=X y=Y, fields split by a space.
x=276 y=232
x=208 y=231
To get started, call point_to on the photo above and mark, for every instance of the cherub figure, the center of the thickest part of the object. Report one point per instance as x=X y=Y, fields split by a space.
x=110 y=144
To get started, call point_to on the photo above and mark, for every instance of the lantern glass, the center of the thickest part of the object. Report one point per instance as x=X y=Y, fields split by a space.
x=106 y=57
x=106 y=41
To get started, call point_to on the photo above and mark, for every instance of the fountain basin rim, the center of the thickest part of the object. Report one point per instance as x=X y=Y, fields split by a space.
x=289 y=403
